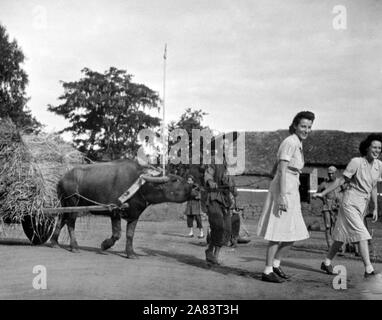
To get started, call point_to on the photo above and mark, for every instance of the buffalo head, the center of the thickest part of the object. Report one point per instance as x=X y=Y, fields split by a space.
x=170 y=188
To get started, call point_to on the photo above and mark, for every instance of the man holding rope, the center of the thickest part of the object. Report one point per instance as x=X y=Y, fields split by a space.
x=219 y=185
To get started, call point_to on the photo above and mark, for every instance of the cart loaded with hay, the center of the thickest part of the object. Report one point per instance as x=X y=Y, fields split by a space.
x=30 y=167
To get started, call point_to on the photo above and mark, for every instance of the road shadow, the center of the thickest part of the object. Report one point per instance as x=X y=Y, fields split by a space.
x=289 y=264
x=121 y=254
x=66 y=247
x=201 y=243
x=316 y=236
x=309 y=250
x=179 y=235
x=15 y=242
x=200 y=263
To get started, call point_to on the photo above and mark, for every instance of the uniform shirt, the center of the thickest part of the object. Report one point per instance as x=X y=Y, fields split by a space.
x=332 y=199
x=363 y=178
x=218 y=174
x=291 y=150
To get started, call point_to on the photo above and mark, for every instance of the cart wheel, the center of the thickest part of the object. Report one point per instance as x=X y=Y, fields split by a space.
x=38 y=232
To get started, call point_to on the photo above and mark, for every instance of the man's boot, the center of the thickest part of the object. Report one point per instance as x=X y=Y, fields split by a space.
x=210 y=257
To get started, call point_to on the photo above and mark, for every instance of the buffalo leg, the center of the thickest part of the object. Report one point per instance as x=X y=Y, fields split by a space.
x=130 y=228
x=71 y=222
x=116 y=233
x=60 y=224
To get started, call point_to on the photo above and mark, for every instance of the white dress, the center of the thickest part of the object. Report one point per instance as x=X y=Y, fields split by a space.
x=349 y=226
x=290 y=225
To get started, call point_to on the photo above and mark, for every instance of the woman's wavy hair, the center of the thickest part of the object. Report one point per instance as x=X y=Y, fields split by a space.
x=296 y=120
x=365 y=144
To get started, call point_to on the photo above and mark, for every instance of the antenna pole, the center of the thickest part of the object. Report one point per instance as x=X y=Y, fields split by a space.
x=164 y=137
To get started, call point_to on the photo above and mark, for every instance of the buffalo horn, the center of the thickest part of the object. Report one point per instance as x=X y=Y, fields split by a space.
x=155 y=179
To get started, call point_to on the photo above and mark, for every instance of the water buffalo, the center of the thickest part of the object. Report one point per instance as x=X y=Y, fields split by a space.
x=105 y=183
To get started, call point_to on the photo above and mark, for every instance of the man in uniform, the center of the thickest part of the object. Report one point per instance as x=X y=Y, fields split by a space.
x=219 y=186
x=330 y=204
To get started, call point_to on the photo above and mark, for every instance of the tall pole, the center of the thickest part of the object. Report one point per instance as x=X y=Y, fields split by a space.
x=164 y=137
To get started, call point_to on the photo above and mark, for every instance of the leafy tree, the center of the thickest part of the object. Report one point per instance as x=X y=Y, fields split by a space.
x=106 y=112
x=190 y=119
x=13 y=82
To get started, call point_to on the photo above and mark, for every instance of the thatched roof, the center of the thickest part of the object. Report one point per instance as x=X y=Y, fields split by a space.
x=321 y=148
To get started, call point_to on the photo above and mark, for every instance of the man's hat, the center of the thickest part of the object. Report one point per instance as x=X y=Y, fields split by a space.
x=332 y=169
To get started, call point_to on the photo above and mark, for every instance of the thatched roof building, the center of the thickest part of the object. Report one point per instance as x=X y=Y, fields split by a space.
x=321 y=149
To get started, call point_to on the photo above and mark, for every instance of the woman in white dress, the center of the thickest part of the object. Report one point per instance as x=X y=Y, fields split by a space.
x=361 y=175
x=281 y=222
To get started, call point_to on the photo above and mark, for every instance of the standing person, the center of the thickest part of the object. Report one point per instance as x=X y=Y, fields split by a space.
x=243 y=231
x=330 y=204
x=281 y=221
x=239 y=233
x=361 y=174
x=193 y=212
x=228 y=232
x=219 y=185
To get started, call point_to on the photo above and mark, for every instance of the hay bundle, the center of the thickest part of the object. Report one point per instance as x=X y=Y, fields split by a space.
x=30 y=167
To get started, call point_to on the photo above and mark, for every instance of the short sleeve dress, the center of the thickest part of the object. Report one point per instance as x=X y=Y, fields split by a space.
x=363 y=178
x=290 y=225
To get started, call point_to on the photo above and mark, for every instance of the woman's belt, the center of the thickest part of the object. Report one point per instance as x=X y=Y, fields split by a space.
x=294 y=170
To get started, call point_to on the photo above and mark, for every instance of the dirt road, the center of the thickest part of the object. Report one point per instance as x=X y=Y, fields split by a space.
x=170 y=266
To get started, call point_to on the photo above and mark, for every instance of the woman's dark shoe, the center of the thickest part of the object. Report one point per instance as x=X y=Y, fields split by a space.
x=271 y=277
x=243 y=240
x=369 y=274
x=280 y=273
x=328 y=269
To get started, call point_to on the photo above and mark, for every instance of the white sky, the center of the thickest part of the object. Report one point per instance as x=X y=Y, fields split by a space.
x=250 y=64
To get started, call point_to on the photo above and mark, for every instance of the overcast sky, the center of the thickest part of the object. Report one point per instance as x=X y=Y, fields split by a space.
x=251 y=65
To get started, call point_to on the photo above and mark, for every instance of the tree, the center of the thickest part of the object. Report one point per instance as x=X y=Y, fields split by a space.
x=189 y=120
x=106 y=112
x=13 y=82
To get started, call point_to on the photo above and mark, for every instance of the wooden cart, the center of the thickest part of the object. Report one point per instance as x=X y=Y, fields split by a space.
x=39 y=231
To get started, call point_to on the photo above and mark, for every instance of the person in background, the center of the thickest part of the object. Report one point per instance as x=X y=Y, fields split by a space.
x=219 y=185
x=237 y=227
x=193 y=212
x=228 y=232
x=281 y=221
x=361 y=175
x=331 y=204
x=243 y=231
